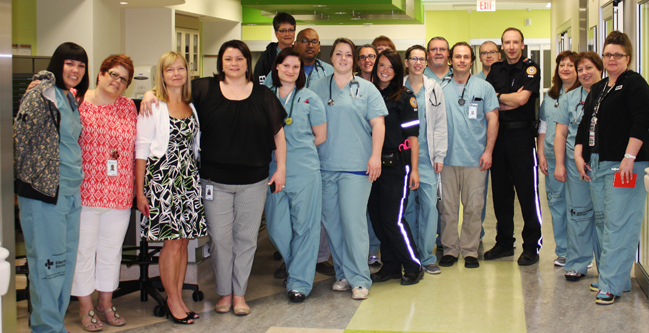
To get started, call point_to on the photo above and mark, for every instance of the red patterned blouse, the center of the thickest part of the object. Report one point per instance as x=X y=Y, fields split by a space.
x=108 y=134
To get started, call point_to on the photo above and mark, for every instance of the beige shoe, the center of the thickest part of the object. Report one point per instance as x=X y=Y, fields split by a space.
x=116 y=320
x=93 y=321
x=341 y=285
x=360 y=293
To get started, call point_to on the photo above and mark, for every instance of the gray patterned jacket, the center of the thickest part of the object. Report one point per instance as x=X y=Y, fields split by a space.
x=36 y=142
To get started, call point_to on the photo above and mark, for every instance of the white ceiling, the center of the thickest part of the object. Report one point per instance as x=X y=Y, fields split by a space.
x=471 y=5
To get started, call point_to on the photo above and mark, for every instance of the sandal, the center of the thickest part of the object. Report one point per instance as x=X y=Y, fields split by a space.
x=93 y=321
x=117 y=320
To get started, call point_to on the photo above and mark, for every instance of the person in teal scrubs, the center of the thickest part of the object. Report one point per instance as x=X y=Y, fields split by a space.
x=582 y=238
x=293 y=215
x=421 y=212
x=564 y=80
x=48 y=177
x=350 y=160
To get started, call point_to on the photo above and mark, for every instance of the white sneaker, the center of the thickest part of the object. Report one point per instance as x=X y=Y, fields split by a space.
x=360 y=293
x=590 y=265
x=560 y=261
x=341 y=285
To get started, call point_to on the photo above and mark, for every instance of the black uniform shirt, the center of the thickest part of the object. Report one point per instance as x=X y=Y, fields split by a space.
x=402 y=120
x=506 y=78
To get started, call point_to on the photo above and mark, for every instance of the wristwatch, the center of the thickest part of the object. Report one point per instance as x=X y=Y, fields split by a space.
x=627 y=155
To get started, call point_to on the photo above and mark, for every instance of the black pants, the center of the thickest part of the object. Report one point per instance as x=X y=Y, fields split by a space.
x=515 y=166
x=387 y=203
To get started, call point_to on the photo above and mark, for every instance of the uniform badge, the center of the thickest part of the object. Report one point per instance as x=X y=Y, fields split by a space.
x=531 y=70
x=413 y=102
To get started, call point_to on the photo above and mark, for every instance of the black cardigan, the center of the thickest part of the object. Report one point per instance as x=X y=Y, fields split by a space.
x=623 y=114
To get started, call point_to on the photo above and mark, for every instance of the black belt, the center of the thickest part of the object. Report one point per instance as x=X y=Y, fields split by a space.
x=391 y=159
x=515 y=125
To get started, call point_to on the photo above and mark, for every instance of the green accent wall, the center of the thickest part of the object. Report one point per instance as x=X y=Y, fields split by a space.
x=23 y=23
x=458 y=26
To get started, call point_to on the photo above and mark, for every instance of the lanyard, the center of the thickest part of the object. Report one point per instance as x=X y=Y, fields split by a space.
x=351 y=91
x=289 y=119
x=581 y=103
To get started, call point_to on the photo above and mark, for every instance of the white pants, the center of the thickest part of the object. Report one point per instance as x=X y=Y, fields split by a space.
x=101 y=235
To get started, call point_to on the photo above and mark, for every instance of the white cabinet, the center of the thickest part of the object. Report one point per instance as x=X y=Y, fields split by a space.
x=188 y=44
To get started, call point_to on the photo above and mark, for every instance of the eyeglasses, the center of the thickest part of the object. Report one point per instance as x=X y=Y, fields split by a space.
x=437 y=49
x=313 y=42
x=616 y=56
x=283 y=31
x=369 y=56
x=484 y=53
x=116 y=77
x=416 y=60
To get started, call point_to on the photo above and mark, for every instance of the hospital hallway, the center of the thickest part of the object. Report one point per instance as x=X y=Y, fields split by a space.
x=499 y=296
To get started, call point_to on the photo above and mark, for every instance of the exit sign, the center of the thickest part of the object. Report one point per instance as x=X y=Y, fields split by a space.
x=486 y=6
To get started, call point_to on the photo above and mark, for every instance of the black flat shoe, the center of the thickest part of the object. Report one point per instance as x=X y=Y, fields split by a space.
x=471 y=262
x=498 y=252
x=412 y=278
x=296 y=296
x=528 y=258
x=447 y=261
x=383 y=275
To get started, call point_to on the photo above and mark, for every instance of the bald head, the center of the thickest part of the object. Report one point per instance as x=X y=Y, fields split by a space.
x=307 y=45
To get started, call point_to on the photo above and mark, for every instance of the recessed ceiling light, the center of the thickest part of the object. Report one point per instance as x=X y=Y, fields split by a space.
x=340 y=13
x=123 y=3
x=319 y=6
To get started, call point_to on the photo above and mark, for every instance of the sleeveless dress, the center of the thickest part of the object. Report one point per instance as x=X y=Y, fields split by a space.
x=172 y=186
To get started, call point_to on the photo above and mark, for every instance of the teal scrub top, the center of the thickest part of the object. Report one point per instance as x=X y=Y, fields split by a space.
x=571 y=110
x=71 y=173
x=548 y=113
x=448 y=77
x=320 y=70
x=425 y=165
x=349 y=133
x=301 y=153
x=481 y=75
x=467 y=133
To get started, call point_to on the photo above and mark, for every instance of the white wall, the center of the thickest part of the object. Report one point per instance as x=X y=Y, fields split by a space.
x=149 y=34
x=107 y=33
x=229 y=10
x=214 y=34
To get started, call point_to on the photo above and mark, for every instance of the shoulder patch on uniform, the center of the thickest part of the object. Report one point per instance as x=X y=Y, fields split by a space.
x=413 y=102
x=531 y=70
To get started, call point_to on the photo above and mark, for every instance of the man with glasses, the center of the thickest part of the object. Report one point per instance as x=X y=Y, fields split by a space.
x=438 y=68
x=489 y=55
x=514 y=172
x=284 y=25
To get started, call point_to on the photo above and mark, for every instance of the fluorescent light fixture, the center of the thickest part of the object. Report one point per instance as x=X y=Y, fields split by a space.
x=548 y=5
x=123 y=3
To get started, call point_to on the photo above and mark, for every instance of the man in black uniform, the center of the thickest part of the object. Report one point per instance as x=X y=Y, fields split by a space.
x=516 y=82
x=284 y=26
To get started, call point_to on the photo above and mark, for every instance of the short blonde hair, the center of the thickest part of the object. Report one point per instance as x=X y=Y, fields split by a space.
x=160 y=89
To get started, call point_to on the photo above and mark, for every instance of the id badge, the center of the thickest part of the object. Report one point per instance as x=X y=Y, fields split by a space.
x=111 y=167
x=473 y=111
x=591 y=132
x=209 y=192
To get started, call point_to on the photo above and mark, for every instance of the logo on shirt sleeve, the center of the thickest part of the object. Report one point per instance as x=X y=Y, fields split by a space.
x=531 y=70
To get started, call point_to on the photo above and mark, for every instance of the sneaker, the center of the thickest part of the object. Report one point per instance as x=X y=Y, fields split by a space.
x=560 y=261
x=432 y=269
x=447 y=261
x=595 y=288
x=573 y=275
x=359 y=293
x=471 y=262
x=325 y=268
x=374 y=260
x=341 y=285
x=498 y=252
x=605 y=298
x=528 y=258
x=590 y=265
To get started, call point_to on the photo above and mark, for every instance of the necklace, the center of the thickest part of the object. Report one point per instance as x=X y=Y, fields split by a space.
x=236 y=96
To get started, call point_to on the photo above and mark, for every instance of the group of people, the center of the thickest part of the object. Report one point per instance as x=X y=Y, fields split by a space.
x=357 y=158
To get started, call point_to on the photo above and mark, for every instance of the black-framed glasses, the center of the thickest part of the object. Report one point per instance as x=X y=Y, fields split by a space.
x=416 y=60
x=616 y=56
x=313 y=42
x=369 y=56
x=116 y=77
x=484 y=53
x=283 y=31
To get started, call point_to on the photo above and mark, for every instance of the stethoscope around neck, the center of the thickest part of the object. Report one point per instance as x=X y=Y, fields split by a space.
x=352 y=82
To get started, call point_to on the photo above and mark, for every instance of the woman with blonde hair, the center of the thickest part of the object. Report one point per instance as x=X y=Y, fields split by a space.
x=167 y=179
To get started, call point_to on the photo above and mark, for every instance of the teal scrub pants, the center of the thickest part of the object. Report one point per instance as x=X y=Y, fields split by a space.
x=51 y=240
x=556 y=194
x=619 y=213
x=421 y=213
x=344 y=212
x=293 y=223
x=582 y=238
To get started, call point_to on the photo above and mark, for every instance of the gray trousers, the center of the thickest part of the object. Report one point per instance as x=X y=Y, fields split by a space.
x=468 y=185
x=233 y=220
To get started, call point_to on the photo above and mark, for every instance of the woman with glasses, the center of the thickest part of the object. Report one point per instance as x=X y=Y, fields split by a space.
x=421 y=212
x=366 y=58
x=348 y=159
x=581 y=235
x=107 y=146
x=610 y=153
x=293 y=215
x=399 y=172
x=564 y=80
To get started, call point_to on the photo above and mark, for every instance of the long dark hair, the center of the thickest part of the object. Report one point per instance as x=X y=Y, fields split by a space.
x=397 y=81
x=285 y=53
x=556 y=80
x=69 y=51
x=239 y=45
